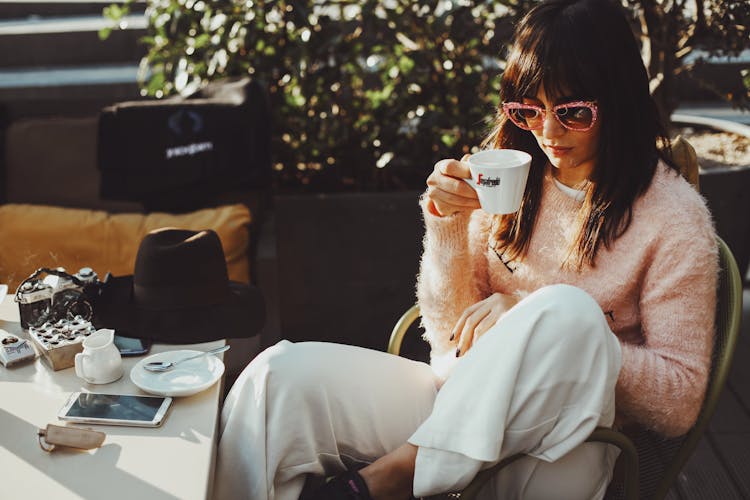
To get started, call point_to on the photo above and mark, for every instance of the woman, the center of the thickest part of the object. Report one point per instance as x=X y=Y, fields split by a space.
x=600 y=289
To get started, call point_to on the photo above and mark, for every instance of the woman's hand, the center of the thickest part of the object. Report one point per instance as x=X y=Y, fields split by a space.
x=447 y=192
x=478 y=318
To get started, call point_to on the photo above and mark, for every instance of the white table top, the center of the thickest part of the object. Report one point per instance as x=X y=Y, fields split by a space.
x=174 y=461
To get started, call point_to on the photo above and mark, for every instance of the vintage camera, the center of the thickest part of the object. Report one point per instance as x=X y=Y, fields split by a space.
x=58 y=296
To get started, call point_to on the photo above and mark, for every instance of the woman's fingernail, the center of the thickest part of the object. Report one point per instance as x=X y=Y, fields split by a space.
x=453 y=335
x=458 y=352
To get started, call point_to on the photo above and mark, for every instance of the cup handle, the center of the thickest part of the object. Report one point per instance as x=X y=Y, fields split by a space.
x=80 y=372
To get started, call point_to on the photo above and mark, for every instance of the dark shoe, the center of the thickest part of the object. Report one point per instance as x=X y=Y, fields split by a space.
x=346 y=486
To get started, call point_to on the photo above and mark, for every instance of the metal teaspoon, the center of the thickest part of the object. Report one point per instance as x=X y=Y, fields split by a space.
x=161 y=366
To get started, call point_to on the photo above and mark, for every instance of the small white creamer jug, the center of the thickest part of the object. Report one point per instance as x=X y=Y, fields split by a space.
x=100 y=362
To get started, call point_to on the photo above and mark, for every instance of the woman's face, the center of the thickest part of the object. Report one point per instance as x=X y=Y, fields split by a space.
x=571 y=152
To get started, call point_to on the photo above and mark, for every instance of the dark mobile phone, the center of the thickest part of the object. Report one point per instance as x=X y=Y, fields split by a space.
x=132 y=347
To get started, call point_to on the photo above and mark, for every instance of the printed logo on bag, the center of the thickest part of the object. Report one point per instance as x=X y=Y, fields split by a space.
x=185 y=124
x=488 y=181
x=189 y=149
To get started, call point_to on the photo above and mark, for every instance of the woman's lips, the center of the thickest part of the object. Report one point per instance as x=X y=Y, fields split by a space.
x=558 y=150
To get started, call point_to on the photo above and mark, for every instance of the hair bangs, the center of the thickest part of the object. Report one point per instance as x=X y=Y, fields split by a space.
x=556 y=57
x=569 y=75
x=523 y=74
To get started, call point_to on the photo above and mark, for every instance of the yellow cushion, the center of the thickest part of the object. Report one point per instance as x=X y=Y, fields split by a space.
x=34 y=236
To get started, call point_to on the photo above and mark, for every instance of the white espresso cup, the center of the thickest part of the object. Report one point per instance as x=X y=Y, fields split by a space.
x=100 y=362
x=499 y=178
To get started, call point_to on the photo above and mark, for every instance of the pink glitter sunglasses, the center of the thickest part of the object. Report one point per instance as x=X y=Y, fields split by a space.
x=579 y=115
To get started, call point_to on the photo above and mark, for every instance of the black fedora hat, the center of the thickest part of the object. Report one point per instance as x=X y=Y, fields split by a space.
x=180 y=292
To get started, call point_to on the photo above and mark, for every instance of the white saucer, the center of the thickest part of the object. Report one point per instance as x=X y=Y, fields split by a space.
x=185 y=379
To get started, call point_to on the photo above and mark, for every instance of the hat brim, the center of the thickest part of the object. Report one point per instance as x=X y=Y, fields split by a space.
x=241 y=313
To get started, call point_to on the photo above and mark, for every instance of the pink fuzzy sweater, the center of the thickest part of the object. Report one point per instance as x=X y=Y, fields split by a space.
x=656 y=285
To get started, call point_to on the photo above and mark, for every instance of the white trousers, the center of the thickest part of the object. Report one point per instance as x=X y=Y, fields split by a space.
x=538 y=383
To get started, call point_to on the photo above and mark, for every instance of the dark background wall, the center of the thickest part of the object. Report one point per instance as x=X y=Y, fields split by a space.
x=346 y=265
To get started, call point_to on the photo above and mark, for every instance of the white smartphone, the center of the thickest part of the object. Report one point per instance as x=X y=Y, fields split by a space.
x=115 y=409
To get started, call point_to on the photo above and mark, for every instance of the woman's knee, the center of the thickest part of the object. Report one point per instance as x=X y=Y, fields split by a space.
x=571 y=307
x=286 y=364
x=275 y=367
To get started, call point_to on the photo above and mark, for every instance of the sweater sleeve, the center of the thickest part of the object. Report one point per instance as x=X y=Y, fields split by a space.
x=452 y=274
x=663 y=380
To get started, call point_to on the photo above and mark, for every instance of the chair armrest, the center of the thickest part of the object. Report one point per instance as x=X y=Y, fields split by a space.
x=628 y=452
x=600 y=434
x=402 y=326
x=476 y=485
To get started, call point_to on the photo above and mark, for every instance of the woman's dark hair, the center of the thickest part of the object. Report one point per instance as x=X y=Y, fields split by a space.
x=587 y=49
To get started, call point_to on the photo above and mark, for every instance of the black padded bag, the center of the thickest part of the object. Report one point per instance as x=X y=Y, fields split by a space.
x=180 y=152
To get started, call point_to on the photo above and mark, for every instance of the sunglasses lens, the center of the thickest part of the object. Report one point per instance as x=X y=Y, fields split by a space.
x=576 y=117
x=528 y=118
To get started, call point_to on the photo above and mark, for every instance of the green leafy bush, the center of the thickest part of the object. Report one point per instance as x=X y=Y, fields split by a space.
x=365 y=95
x=368 y=94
